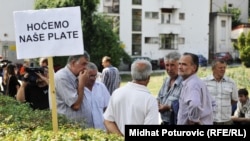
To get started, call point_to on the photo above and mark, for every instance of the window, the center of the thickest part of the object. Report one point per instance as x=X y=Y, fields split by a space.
x=111 y=6
x=223 y=23
x=168 y=41
x=182 y=16
x=151 y=40
x=136 y=2
x=223 y=30
x=181 y=40
x=136 y=19
x=166 y=18
x=136 y=44
x=151 y=15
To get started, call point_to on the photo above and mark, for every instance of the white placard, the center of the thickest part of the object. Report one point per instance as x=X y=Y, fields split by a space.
x=48 y=32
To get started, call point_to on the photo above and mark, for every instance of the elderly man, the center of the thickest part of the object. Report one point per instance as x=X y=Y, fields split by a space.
x=224 y=91
x=69 y=84
x=95 y=101
x=170 y=90
x=132 y=103
x=195 y=102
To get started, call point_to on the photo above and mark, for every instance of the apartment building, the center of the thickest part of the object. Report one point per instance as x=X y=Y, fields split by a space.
x=146 y=28
x=154 y=28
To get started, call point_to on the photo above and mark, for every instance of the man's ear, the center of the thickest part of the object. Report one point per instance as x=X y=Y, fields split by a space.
x=148 y=78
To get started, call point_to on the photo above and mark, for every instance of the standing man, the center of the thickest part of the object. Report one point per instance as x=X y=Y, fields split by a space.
x=110 y=75
x=69 y=84
x=195 y=102
x=224 y=91
x=132 y=103
x=171 y=88
x=95 y=101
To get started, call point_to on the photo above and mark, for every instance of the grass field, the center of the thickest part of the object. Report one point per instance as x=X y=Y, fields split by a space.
x=239 y=74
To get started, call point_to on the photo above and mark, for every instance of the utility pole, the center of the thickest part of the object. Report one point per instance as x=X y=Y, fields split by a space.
x=210 y=45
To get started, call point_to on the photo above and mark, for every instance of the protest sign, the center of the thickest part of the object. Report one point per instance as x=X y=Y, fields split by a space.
x=48 y=32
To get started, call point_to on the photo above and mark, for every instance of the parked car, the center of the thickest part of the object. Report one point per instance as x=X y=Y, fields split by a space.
x=154 y=63
x=161 y=63
x=202 y=60
x=126 y=66
x=225 y=56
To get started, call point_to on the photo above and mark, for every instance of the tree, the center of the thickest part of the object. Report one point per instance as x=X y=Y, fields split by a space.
x=243 y=45
x=235 y=14
x=98 y=36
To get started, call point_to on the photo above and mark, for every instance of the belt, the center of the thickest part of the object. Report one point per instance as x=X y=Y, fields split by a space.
x=224 y=123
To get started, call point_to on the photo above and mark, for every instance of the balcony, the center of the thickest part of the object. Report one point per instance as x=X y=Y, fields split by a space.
x=111 y=3
x=169 y=28
x=114 y=9
x=169 y=4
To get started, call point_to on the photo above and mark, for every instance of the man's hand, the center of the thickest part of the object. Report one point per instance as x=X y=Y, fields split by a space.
x=82 y=78
x=193 y=123
x=163 y=108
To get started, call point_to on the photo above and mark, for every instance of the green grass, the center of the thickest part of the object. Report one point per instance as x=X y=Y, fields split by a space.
x=241 y=75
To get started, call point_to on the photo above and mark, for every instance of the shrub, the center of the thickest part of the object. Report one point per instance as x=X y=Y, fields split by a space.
x=21 y=123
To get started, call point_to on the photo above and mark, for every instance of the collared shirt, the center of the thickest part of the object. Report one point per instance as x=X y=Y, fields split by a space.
x=166 y=96
x=94 y=103
x=111 y=78
x=66 y=94
x=132 y=104
x=243 y=109
x=223 y=92
x=195 y=102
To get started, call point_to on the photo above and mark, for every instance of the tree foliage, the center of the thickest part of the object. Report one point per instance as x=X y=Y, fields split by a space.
x=98 y=36
x=243 y=45
x=235 y=14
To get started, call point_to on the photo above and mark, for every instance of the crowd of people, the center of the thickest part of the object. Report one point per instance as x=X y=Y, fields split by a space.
x=183 y=99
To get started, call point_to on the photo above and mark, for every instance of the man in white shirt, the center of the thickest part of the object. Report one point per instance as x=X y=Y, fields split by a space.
x=132 y=103
x=242 y=112
x=95 y=101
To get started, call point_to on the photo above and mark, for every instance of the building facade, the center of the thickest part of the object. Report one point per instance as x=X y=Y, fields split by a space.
x=154 y=28
x=216 y=5
x=7 y=30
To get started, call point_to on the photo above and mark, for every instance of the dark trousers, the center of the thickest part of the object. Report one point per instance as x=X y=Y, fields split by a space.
x=223 y=123
x=164 y=123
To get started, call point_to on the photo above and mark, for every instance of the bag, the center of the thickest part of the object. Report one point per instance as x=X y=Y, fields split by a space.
x=174 y=112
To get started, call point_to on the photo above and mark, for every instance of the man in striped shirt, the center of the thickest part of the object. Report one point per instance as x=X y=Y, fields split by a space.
x=224 y=90
x=110 y=75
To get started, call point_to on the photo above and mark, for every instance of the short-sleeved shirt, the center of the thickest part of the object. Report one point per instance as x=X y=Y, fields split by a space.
x=167 y=95
x=243 y=109
x=223 y=92
x=66 y=94
x=94 y=103
x=132 y=104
